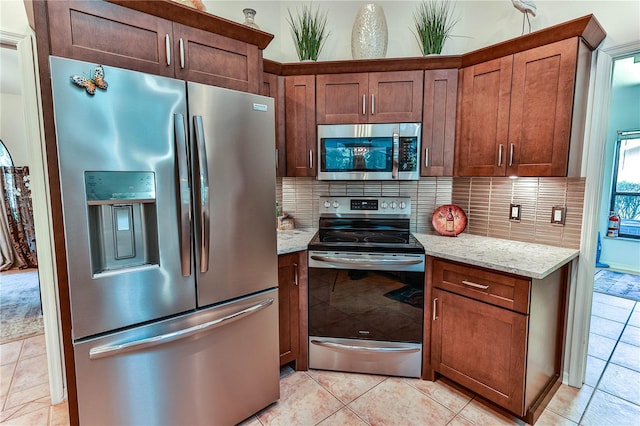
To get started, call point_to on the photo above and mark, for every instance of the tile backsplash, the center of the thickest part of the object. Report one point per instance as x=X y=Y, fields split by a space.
x=299 y=197
x=486 y=201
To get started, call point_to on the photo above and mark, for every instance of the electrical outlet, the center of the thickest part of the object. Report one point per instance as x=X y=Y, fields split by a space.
x=514 y=212
x=558 y=214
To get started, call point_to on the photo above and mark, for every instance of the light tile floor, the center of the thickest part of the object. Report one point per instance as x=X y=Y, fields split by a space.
x=610 y=395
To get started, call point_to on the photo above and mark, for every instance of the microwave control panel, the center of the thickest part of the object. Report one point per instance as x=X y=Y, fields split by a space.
x=408 y=155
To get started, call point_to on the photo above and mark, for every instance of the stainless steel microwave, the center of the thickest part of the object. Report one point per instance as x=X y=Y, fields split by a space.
x=369 y=151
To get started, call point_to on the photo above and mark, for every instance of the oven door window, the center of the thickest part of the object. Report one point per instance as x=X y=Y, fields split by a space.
x=359 y=304
x=371 y=154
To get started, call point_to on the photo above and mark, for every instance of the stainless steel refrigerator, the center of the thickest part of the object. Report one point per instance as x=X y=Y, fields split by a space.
x=168 y=191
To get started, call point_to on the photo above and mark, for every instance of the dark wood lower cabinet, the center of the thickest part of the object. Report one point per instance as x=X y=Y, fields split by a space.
x=481 y=347
x=497 y=334
x=292 y=296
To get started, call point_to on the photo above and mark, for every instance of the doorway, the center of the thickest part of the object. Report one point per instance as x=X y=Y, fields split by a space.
x=580 y=309
x=20 y=303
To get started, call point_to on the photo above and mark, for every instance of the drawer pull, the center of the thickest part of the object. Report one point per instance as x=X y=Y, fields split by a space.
x=435 y=306
x=472 y=284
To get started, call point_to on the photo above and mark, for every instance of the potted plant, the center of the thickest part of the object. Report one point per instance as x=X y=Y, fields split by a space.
x=434 y=21
x=309 y=31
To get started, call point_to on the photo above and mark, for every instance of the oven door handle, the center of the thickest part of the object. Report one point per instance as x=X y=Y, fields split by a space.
x=366 y=262
x=365 y=349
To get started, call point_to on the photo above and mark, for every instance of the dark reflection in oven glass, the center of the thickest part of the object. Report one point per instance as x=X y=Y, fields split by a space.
x=375 y=305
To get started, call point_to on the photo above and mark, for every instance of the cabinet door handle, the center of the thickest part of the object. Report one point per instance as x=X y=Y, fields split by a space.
x=511 y=155
x=472 y=284
x=167 y=48
x=311 y=159
x=181 y=53
x=434 y=309
x=295 y=273
x=373 y=104
x=426 y=157
x=499 y=155
x=364 y=104
x=277 y=159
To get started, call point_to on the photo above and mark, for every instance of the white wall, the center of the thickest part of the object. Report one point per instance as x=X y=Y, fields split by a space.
x=12 y=127
x=13 y=19
x=618 y=253
x=482 y=23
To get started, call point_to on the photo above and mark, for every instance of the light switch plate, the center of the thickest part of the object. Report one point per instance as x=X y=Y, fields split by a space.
x=514 y=212
x=558 y=214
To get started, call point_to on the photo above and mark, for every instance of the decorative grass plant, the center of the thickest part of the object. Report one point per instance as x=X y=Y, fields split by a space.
x=309 y=31
x=434 y=21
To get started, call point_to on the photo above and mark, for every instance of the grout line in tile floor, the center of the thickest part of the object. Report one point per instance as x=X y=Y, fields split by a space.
x=359 y=407
x=608 y=361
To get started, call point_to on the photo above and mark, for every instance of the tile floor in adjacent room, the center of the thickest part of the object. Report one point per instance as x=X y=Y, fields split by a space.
x=610 y=396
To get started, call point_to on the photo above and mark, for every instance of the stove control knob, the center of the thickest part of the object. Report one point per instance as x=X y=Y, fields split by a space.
x=336 y=204
x=384 y=205
x=327 y=204
x=403 y=205
x=394 y=204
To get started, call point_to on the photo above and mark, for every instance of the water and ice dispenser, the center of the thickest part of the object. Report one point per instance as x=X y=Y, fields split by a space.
x=123 y=229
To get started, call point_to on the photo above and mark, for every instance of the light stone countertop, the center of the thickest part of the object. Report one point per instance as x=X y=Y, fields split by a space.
x=526 y=259
x=294 y=240
x=516 y=257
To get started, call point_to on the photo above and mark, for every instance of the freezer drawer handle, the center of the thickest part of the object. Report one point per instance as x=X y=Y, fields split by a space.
x=184 y=194
x=340 y=346
x=204 y=193
x=113 y=350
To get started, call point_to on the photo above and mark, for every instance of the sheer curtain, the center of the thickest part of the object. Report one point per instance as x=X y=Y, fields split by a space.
x=17 y=235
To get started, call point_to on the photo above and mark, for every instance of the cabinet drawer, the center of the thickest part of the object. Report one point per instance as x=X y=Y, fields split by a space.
x=499 y=289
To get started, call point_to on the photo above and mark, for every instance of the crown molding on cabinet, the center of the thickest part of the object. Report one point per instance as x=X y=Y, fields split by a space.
x=186 y=15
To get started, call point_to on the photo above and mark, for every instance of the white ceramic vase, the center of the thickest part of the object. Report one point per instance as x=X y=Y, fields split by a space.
x=369 y=34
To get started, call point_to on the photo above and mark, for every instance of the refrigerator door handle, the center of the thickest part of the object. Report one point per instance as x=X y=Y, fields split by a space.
x=204 y=193
x=184 y=194
x=138 y=345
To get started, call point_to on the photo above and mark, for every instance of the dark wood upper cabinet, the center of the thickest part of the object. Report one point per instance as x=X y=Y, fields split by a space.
x=300 y=125
x=376 y=97
x=110 y=34
x=213 y=59
x=439 y=122
x=516 y=113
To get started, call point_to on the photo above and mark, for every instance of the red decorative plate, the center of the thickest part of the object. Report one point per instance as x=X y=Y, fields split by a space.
x=449 y=220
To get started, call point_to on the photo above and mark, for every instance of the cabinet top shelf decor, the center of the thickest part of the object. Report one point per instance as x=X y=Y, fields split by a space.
x=586 y=27
x=191 y=17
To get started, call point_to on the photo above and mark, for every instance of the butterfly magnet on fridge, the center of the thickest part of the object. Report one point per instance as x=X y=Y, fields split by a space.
x=90 y=84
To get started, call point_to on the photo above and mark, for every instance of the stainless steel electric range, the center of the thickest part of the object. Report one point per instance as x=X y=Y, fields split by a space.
x=366 y=287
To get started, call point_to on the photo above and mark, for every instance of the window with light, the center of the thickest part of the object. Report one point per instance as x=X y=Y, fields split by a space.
x=625 y=194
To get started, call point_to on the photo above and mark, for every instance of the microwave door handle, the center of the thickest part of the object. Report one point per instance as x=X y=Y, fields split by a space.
x=396 y=154
x=203 y=175
x=184 y=194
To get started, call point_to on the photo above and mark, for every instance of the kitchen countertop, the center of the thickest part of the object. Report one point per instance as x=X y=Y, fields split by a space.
x=294 y=240
x=515 y=257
